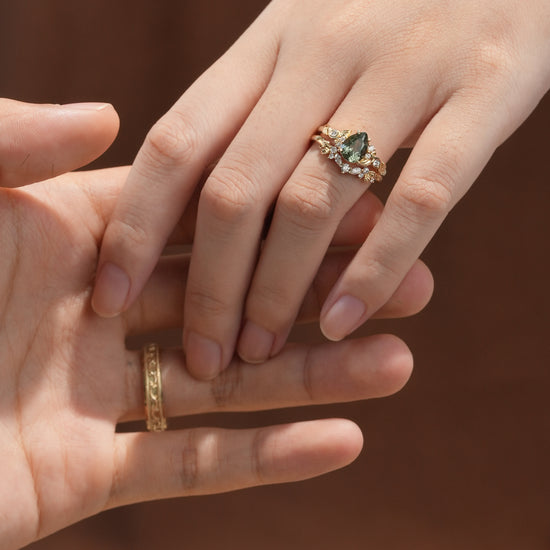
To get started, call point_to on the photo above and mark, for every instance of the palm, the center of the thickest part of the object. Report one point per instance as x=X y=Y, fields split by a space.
x=61 y=402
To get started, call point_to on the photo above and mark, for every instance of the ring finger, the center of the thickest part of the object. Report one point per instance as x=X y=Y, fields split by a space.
x=309 y=209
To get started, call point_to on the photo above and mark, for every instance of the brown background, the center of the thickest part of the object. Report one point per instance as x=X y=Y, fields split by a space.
x=459 y=459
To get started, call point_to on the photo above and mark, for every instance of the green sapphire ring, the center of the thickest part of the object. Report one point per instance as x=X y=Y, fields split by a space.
x=352 y=152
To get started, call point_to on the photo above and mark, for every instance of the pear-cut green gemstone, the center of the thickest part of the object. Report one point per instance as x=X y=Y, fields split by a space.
x=355 y=147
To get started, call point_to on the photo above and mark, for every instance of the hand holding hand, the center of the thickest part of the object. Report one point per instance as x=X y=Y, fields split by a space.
x=68 y=379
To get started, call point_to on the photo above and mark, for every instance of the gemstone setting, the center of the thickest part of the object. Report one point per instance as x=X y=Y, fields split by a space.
x=354 y=147
x=352 y=152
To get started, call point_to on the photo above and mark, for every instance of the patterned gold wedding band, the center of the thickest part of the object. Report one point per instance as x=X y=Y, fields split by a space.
x=154 y=410
x=352 y=152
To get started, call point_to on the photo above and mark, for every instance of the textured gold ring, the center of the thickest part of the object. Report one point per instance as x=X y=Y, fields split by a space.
x=154 y=410
x=352 y=152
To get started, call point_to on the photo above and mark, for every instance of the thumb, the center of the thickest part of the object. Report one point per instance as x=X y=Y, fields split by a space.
x=42 y=141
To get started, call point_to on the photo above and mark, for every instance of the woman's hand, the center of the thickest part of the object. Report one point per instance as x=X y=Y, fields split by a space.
x=68 y=379
x=452 y=79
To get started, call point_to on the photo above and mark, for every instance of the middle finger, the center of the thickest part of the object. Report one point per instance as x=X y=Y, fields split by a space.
x=351 y=370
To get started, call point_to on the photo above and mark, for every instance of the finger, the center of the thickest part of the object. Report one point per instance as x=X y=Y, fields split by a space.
x=170 y=162
x=410 y=297
x=300 y=375
x=160 y=306
x=232 y=209
x=208 y=460
x=42 y=141
x=445 y=161
x=308 y=211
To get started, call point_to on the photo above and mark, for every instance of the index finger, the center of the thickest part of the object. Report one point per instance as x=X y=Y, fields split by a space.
x=170 y=162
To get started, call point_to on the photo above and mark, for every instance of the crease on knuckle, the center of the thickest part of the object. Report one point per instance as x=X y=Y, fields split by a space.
x=258 y=464
x=428 y=198
x=230 y=194
x=128 y=232
x=227 y=387
x=381 y=270
x=172 y=142
x=188 y=467
x=310 y=203
x=205 y=302
x=270 y=304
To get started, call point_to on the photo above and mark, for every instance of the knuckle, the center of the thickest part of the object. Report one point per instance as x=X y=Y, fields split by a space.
x=381 y=269
x=194 y=451
x=205 y=303
x=258 y=458
x=273 y=303
x=171 y=142
x=230 y=194
x=428 y=197
x=129 y=232
x=310 y=203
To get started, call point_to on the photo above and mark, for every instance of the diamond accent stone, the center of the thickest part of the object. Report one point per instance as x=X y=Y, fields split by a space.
x=338 y=160
x=333 y=133
x=345 y=169
x=376 y=163
x=355 y=171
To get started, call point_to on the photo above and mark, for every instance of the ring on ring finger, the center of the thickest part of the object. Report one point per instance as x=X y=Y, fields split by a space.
x=352 y=152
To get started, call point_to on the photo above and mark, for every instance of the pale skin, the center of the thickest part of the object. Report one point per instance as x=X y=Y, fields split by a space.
x=451 y=79
x=67 y=378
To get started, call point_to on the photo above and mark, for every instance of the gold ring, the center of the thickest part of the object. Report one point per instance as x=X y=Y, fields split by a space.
x=154 y=410
x=352 y=152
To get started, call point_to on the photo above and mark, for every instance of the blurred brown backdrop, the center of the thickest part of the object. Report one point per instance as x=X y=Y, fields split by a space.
x=459 y=459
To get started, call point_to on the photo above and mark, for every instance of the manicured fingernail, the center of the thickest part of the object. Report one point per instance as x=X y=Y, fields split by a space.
x=204 y=356
x=111 y=290
x=255 y=343
x=343 y=317
x=86 y=106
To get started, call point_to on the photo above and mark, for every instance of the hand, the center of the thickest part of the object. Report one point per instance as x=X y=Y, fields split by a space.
x=68 y=379
x=452 y=79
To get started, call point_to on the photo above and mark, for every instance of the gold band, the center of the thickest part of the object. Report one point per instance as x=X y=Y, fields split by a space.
x=352 y=152
x=154 y=411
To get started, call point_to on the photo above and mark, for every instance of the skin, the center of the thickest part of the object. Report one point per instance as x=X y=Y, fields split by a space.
x=68 y=378
x=452 y=80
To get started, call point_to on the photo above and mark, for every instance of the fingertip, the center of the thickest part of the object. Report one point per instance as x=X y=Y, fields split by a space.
x=310 y=449
x=342 y=317
x=350 y=440
x=203 y=356
x=111 y=291
x=396 y=363
x=102 y=125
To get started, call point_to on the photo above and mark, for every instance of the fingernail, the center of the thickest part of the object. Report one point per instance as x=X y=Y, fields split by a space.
x=255 y=343
x=111 y=290
x=86 y=106
x=203 y=356
x=343 y=317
